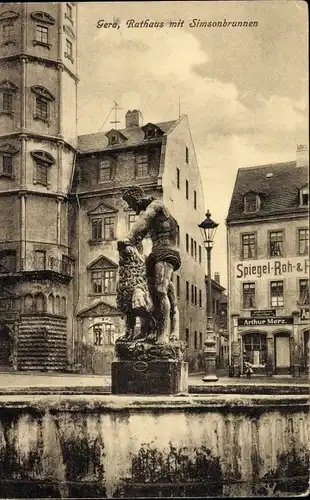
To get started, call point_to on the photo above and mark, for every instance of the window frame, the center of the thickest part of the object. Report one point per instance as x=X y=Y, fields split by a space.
x=69 y=50
x=281 y=241
x=187 y=290
x=108 y=168
x=246 y=202
x=186 y=189
x=278 y=305
x=306 y=230
x=42 y=159
x=186 y=155
x=187 y=242
x=195 y=199
x=178 y=178
x=143 y=163
x=303 y=301
x=250 y=285
x=42 y=35
x=104 y=275
x=242 y=245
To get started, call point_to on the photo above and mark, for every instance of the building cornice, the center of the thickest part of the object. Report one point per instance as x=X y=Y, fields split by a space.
x=24 y=134
x=30 y=192
x=112 y=191
x=48 y=62
x=269 y=218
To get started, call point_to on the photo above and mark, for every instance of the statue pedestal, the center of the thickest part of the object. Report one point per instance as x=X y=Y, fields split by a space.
x=156 y=377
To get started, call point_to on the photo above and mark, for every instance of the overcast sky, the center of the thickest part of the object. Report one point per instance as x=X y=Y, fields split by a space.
x=244 y=90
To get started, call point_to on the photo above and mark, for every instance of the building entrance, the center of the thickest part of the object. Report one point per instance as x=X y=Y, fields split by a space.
x=5 y=347
x=282 y=353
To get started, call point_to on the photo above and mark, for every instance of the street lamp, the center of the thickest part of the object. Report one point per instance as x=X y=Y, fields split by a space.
x=208 y=229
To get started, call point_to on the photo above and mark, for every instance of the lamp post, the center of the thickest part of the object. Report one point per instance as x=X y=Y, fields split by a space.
x=208 y=229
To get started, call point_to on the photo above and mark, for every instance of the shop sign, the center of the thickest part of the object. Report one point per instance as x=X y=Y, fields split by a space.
x=273 y=268
x=263 y=313
x=304 y=314
x=276 y=321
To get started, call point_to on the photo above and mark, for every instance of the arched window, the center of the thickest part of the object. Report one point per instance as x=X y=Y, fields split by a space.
x=39 y=303
x=28 y=303
x=51 y=304
x=57 y=304
x=63 y=306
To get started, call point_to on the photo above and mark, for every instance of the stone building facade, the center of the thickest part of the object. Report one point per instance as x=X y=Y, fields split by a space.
x=160 y=158
x=38 y=139
x=268 y=267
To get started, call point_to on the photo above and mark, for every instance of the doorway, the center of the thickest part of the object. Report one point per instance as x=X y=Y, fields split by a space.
x=5 y=347
x=282 y=353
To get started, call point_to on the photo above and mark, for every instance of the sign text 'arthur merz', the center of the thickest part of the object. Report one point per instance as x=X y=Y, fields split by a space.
x=284 y=320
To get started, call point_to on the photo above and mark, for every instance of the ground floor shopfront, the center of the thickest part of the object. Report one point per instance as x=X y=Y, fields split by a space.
x=273 y=346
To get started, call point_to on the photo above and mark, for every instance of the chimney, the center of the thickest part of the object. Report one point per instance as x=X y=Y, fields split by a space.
x=217 y=277
x=302 y=156
x=132 y=118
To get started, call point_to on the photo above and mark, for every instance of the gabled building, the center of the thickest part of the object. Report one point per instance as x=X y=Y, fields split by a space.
x=161 y=158
x=268 y=267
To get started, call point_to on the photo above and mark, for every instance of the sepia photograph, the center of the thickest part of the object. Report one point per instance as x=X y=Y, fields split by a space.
x=154 y=249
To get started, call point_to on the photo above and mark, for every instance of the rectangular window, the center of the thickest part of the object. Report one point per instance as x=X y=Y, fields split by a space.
x=109 y=228
x=195 y=200
x=187 y=291
x=131 y=220
x=303 y=241
x=42 y=108
x=187 y=242
x=178 y=178
x=8 y=31
x=69 y=48
x=249 y=246
x=187 y=336
x=96 y=280
x=109 y=281
x=276 y=243
x=199 y=252
x=96 y=229
x=7 y=165
x=200 y=339
x=192 y=294
x=195 y=340
x=195 y=291
x=276 y=294
x=142 y=165
x=251 y=202
x=195 y=250
x=103 y=281
x=178 y=290
x=7 y=102
x=42 y=34
x=69 y=11
x=186 y=189
x=186 y=154
x=200 y=298
x=41 y=173
x=248 y=295
x=105 y=171
x=39 y=259
x=98 y=336
x=177 y=235
x=192 y=247
x=304 y=292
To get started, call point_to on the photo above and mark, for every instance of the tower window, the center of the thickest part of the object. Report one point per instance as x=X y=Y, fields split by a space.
x=7 y=103
x=186 y=189
x=7 y=165
x=43 y=162
x=69 y=11
x=8 y=32
x=42 y=34
x=195 y=200
x=186 y=154
x=69 y=49
x=42 y=109
x=178 y=178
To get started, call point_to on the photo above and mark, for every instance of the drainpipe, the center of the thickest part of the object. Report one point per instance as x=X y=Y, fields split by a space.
x=77 y=277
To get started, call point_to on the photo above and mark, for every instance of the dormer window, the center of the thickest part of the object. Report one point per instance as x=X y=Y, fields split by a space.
x=251 y=202
x=115 y=137
x=304 y=196
x=150 y=133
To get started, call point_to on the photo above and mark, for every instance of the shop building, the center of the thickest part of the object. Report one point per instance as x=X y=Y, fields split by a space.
x=268 y=268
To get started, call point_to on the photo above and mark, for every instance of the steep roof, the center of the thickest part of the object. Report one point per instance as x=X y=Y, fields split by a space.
x=279 y=191
x=90 y=143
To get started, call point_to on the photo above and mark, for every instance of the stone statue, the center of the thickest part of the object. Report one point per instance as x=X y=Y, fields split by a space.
x=150 y=362
x=156 y=221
